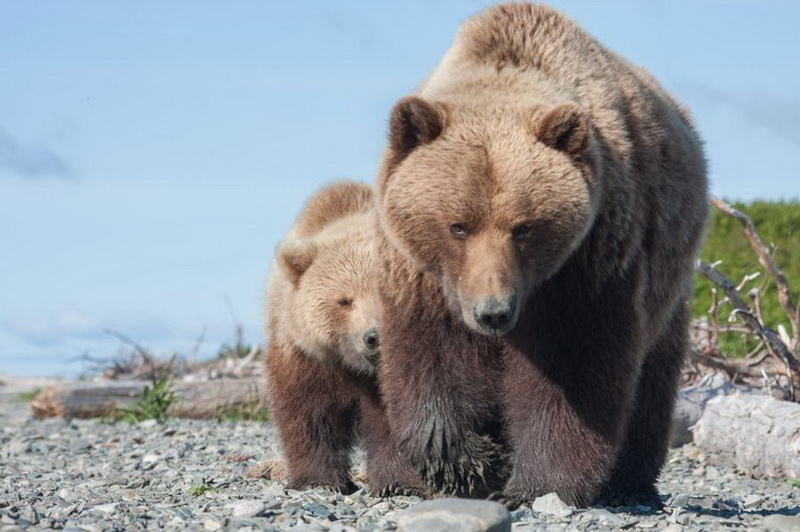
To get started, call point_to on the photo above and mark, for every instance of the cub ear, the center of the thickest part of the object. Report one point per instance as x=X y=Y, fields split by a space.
x=564 y=128
x=414 y=122
x=295 y=256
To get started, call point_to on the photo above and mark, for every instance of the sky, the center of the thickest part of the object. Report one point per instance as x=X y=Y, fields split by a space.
x=153 y=154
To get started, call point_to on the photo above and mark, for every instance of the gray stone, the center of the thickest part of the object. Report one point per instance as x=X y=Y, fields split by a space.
x=29 y=514
x=603 y=516
x=68 y=495
x=274 y=490
x=319 y=510
x=212 y=524
x=550 y=504
x=752 y=500
x=149 y=461
x=148 y=424
x=18 y=447
x=468 y=515
x=680 y=501
x=782 y=523
x=249 y=508
x=79 y=445
x=107 y=509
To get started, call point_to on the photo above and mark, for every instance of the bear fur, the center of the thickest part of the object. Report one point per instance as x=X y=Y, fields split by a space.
x=322 y=330
x=540 y=205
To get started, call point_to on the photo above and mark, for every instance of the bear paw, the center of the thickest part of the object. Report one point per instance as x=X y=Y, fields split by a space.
x=346 y=488
x=477 y=470
x=394 y=490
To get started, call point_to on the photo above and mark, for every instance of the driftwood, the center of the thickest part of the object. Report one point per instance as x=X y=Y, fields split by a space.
x=193 y=399
x=756 y=434
x=692 y=401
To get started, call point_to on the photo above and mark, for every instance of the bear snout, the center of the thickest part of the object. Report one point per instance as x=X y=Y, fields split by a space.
x=496 y=316
x=371 y=342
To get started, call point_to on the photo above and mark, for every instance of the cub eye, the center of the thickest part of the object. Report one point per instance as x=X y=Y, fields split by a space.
x=521 y=231
x=345 y=302
x=459 y=231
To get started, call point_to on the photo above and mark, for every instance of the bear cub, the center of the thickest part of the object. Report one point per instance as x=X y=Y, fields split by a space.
x=323 y=346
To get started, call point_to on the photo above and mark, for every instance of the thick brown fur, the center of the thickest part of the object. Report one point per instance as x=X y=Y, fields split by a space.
x=322 y=319
x=541 y=202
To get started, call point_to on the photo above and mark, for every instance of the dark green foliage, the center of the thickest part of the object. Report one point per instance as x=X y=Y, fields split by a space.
x=778 y=223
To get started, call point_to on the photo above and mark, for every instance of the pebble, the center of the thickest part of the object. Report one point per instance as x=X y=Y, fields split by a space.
x=452 y=514
x=108 y=509
x=246 y=508
x=752 y=501
x=90 y=475
x=550 y=504
x=782 y=523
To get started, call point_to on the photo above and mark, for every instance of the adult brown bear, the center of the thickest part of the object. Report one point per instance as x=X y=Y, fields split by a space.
x=541 y=202
x=322 y=356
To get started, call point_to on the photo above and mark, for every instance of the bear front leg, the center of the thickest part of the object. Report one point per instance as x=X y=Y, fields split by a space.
x=647 y=437
x=555 y=449
x=441 y=384
x=314 y=409
x=569 y=388
x=388 y=472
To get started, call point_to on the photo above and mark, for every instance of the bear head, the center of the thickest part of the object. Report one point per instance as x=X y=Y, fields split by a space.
x=491 y=200
x=333 y=300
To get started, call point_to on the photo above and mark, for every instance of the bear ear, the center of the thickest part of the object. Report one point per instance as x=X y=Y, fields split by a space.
x=295 y=256
x=564 y=128
x=414 y=122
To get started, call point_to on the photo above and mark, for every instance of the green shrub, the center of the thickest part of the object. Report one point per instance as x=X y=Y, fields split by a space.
x=778 y=223
x=153 y=404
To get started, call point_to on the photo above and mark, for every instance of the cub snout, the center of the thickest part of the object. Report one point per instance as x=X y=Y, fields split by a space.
x=371 y=343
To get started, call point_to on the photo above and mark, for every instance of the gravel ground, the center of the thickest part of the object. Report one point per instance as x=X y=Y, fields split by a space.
x=184 y=474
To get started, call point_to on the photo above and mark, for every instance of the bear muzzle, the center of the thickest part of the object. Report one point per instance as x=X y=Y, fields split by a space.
x=495 y=316
x=371 y=344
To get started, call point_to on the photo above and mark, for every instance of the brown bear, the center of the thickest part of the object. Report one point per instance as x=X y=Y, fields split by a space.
x=540 y=201
x=322 y=331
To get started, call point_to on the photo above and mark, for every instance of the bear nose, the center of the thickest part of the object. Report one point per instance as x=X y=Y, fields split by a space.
x=371 y=338
x=494 y=314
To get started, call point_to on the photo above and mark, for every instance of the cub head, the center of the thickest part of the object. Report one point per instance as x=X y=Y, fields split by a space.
x=333 y=307
x=489 y=200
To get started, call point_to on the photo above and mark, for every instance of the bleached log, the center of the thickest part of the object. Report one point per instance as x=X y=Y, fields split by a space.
x=193 y=399
x=756 y=434
x=692 y=401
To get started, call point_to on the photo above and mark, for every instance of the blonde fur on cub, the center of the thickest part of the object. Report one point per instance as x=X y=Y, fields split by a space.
x=323 y=347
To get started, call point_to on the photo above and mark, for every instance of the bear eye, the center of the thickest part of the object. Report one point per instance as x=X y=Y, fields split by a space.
x=459 y=231
x=345 y=302
x=521 y=231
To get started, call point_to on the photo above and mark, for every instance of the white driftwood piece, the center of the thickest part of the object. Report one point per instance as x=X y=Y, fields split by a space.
x=193 y=399
x=692 y=401
x=757 y=434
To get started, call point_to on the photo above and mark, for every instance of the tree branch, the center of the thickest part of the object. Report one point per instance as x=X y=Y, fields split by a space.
x=784 y=291
x=743 y=311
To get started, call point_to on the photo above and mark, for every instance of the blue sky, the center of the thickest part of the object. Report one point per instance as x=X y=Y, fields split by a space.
x=152 y=154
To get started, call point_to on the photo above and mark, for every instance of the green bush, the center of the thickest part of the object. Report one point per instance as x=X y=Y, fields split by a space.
x=778 y=223
x=153 y=404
